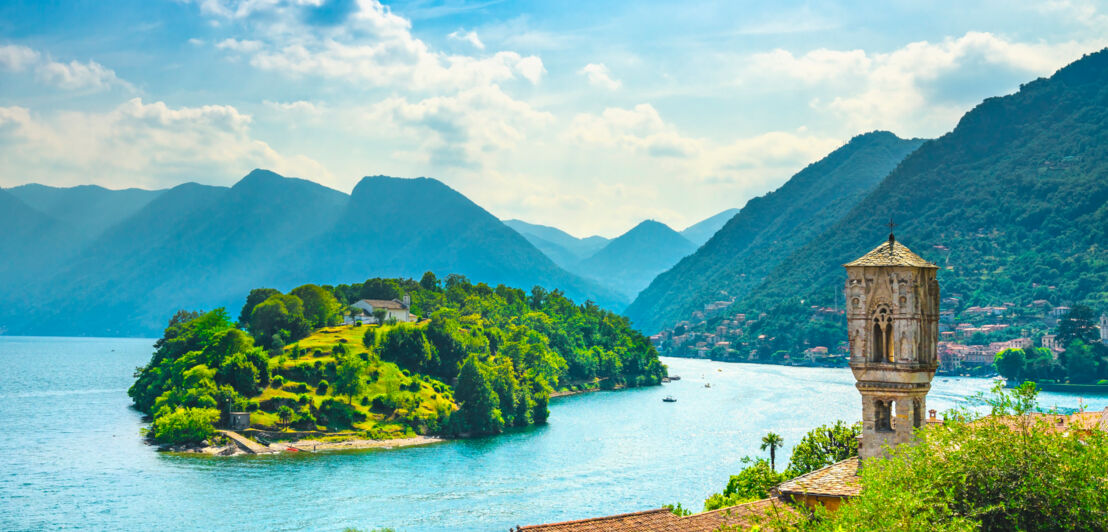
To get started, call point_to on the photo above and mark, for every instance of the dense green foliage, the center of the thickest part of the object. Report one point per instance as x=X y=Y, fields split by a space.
x=116 y=263
x=752 y=483
x=508 y=349
x=768 y=229
x=184 y=425
x=1016 y=196
x=1084 y=361
x=493 y=355
x=997 y=473
x=820 y=447
x=823 y=446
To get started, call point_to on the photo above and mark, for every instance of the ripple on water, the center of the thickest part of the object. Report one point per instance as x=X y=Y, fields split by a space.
x=72 y=457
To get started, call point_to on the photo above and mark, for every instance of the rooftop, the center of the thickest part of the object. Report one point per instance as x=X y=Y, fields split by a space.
x=385 y=304
x=891 y=253
x=662 y=520
x=836 y=480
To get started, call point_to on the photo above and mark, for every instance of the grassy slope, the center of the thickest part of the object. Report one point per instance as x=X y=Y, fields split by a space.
x=388 y=379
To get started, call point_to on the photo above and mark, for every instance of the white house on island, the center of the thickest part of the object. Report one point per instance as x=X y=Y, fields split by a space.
x=395 y=308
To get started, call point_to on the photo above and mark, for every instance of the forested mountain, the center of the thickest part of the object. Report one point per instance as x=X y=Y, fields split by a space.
x=563 y=248
x=768 y=228
x=196 y=246
x=630 y=261
x=1012 y=205
x=701 y=231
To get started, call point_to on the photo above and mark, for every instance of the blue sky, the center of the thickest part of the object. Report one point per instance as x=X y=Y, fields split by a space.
x=590 y=117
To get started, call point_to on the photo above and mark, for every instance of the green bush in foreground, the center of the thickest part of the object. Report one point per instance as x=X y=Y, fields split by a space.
x=184 y=425
x=1008 y=471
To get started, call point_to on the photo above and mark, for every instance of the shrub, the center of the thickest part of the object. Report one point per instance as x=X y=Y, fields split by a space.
x=321 y=388
x=337 y=414
x=303 y=400
x=277 y=381
x=184 y=425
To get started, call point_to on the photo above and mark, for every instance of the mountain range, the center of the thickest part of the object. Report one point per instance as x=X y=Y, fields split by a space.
x=768 y=228
x=628 y=262
x=1012 y=205
x=196 y=246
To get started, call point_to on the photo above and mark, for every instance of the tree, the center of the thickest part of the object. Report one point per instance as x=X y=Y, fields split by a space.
x=1081 y=363
x=184 y=425
x=377 y=288
x=320 y=306
x=1078 y=324
x=408 y=347
x=379 y=315
x=772 y=441
x=752 y=483
x=240 y=373
x=823 y=446
x=256 y=296
x=479 y=409
x=285 y=414
x=279 y=314
x=1010 y=364
x=350 y=375
x=429 y=281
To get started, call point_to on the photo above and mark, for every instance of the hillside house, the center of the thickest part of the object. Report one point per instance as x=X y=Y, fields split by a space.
x=395 y=308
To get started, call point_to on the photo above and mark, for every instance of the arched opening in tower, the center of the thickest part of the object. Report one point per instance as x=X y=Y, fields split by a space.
x=882 y=336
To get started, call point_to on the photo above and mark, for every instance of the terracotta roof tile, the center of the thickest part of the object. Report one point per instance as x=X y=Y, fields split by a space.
x=738 y=517
x=899 y=256
x=836 y=480
x=662 y=520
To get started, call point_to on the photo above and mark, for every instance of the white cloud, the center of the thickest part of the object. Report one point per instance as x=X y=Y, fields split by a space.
x=462 y=130
x=73 y=75
x=17 y=58
x=469 y=37
x=372 y=46
x=599 y=76
x=241 y=46
x=76 y=75
x=640 y=129
x=893 y=90
x=138 y=144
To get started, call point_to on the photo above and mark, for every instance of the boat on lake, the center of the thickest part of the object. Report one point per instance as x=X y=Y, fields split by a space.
x=669 y=399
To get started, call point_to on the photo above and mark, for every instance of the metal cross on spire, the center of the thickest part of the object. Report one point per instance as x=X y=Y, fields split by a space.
x=892 y=239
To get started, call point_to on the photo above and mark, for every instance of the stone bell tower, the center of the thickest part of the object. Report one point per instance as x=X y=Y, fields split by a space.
x=892 y=312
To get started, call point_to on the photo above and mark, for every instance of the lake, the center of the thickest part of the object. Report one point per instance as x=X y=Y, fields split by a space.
x=72 y=458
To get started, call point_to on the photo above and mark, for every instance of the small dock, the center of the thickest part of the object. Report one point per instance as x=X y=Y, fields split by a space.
x=246 y=444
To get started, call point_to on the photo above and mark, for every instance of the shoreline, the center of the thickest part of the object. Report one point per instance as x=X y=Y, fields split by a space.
x=306 y=446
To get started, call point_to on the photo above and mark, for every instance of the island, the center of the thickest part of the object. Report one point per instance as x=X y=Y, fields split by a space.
x=387 y=362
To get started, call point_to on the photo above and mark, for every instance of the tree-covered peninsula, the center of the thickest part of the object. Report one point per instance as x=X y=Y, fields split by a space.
x=478 y=359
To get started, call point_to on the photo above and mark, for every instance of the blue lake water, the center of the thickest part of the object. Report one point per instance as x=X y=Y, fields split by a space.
x=71 y=456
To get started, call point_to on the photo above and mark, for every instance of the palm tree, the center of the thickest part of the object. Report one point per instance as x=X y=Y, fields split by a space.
x=772 y=441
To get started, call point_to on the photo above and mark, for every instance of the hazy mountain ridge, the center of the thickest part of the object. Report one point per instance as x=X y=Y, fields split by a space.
x=197 y=246
x=768 y=228
x=629 y=262
x=563 y=248
x=702 y=231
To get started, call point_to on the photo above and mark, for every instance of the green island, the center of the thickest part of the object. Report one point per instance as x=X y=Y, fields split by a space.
x=312 y=366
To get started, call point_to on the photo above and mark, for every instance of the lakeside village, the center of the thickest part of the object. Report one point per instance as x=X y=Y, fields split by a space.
x=1016 y=468
x=969 y=337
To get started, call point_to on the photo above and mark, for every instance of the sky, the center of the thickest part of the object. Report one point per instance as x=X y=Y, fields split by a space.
x=586 y=116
